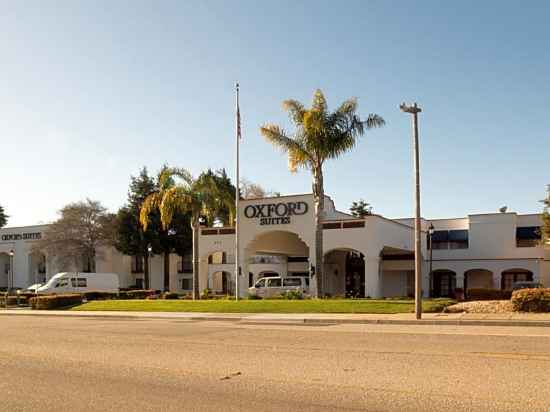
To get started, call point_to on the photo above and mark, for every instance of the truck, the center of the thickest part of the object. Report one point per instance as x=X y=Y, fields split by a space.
x=67 y=282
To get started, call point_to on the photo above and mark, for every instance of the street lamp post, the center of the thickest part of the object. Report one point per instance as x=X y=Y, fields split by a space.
x=10 y=279
x=431 y=232
x=414 y=110
x=150 y=253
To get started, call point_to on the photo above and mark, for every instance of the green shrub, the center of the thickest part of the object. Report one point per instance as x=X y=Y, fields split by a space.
x=531 y=300
x=170 y=295
x=292 y=295
x=97 y=295
x=12 y=300
x=55 y=301
x=136 y=294
x=488 y=294
x=206 y=294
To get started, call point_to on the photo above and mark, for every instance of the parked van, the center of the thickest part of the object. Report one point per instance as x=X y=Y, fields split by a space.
x=67 y=282
x=276 y=285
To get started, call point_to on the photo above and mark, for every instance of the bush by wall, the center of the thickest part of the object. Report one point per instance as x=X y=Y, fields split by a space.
x=12 y=300
x=97 y=295
x=488 y=294
x=170 y=295
x=136 y=294
x=55 y=301
x=531 y=300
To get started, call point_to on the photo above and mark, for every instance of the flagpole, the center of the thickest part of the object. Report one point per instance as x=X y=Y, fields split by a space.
x=237 y=192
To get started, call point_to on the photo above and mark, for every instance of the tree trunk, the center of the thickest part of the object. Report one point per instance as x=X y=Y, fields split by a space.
x=166 y=271
x=319 y=200
x=195 y=226
x=146 y=271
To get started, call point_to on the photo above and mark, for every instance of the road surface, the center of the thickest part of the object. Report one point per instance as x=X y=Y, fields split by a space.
x=97 y=364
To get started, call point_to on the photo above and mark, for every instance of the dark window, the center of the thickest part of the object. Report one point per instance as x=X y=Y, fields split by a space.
x=250 y=279
x=79 y=282
x=296 y=259
x=449 y=239
x=292 y=282
x=458 y=239
x=228 y=231
x=528 y=236
x=210 y=232
x=510 y=277
x=274 y=283
x=332 y=225
x=187 y=284
x=353 y=224
x=137 y=264
x=185 y=264
x=139 y=283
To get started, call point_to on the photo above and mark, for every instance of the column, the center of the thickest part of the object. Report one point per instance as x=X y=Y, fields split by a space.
x=496 y=279
x=373 y=282
x=460 y=280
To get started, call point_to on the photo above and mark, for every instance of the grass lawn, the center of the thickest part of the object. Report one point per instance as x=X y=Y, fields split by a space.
x=267 y=306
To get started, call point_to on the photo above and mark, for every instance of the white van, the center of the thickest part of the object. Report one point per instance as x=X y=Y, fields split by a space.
x=67 y=282
x=276 y=285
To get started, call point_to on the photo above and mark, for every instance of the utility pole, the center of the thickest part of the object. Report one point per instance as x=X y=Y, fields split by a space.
x=237 y=188
x=414 y=110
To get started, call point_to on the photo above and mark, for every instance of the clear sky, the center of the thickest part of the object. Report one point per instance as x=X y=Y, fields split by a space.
x=90 y=91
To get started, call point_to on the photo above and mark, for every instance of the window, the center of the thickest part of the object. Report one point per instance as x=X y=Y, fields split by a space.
x=250 y=279
x=137 y=264
x=217 y=258
x=185 y=264
x=297 y=259
x=187 y=284
x=42 y=265
x=260 y=283
x=6 y=268
x=79 y=282
x=449 y=239
x=274 y=283
x=62 y=283
x=528 y=236
x=292 y=282
x=139 y=283
x=511 y=277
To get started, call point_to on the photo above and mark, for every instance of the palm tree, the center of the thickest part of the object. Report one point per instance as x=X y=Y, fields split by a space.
x=202 y=197
x=320 y=135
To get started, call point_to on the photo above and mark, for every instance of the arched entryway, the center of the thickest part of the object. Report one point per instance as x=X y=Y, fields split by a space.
x=443 y=283
x=4 y=270
x=345 y=273
x=221 y=283
x=510 y=276
x=478 y=279
x=37 y=268
x=277 y=253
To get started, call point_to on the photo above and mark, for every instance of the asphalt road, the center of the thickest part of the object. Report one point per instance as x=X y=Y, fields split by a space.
x=76 y=364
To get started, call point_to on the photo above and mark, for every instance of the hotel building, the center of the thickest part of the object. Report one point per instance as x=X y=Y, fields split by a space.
x=371 y=256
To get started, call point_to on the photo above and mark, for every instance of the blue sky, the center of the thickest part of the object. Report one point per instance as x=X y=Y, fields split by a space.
x=91 y=91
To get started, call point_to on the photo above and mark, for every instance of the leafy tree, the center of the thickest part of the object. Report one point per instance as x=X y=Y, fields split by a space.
x=251 y=190
x=360 y=209
x=78 y=236
x=320 y=135
x=3 y=217
x=546 y=218
x=206 y=198
x=130 y=238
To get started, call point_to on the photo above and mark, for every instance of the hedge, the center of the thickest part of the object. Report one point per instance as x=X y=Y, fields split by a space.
x=531 y=300
x=488 y=294
x=136 y=294
x=97 y=295
x=170 y=295
x=55 y=301
x=12 y=300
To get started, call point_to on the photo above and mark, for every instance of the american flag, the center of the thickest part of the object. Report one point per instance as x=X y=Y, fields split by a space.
x=239 y=136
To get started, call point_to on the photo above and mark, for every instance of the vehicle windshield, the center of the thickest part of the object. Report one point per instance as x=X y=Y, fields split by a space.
x=260 y=283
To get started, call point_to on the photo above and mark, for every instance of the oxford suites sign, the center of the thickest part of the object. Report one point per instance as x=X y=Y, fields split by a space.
x=10 y=237
x=275 y=213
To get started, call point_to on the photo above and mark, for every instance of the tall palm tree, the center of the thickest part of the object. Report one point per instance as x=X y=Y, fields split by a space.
x=320 y=135
x=202 y=197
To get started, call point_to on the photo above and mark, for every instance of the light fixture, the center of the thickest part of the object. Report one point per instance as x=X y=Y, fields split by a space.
x=431 y=229
x=11 y=253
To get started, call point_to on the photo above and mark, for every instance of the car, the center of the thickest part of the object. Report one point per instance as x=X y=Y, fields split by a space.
x=271 y=286
x=526 y=285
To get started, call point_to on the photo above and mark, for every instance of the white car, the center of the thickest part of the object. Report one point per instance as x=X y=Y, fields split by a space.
x=67 y=282
x=276 y=285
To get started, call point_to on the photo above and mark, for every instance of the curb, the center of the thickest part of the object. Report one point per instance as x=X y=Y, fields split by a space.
x=245 y=320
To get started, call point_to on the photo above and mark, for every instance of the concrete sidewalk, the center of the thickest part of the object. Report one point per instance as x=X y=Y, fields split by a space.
x=475 y=319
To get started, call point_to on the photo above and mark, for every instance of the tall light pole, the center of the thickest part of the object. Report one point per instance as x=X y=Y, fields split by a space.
x=431 y=231
x=414 y=110
x=10 y=278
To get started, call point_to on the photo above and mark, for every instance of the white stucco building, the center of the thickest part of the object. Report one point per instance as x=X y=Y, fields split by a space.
x=371 y=256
